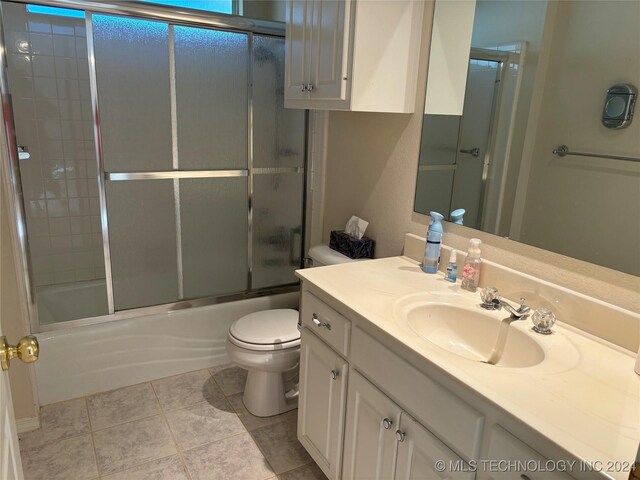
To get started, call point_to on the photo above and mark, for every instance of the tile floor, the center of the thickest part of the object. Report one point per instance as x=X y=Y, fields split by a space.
x=191 y=426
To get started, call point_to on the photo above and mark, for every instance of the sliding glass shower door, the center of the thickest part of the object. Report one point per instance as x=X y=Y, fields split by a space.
x=199 y=168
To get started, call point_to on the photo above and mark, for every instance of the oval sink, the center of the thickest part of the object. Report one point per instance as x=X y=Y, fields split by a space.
x=468 y=331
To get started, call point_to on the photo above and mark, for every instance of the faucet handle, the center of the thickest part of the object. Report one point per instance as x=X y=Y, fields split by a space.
x=490 y=298
x=543 y=319
x=522 y=304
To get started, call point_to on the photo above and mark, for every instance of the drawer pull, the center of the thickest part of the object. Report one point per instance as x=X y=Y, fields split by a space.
x=525 y=477
x=318 y=323
x=387 y=424
x=334 y=374
x=400 y=435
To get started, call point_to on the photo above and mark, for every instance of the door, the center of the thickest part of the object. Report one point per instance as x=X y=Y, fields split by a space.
x=472 y=160
x=331 y=20
x=321 y=406
x=298 y=38
x=422 y=456
x=370 y=433
x=10 y=465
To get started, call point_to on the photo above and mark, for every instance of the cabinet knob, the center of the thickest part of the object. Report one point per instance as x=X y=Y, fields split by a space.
x=400 y=435
x=387 y=424
x=316 y=321
x=303 y=87
x=309 y=87
x=334 y=374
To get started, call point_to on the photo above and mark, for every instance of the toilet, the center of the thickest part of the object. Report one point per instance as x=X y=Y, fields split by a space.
x=267 y=345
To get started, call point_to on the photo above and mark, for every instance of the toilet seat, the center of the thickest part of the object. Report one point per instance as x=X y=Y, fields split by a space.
x=266 y=330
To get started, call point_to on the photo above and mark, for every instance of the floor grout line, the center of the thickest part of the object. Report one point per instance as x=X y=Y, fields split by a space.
x=93 y=441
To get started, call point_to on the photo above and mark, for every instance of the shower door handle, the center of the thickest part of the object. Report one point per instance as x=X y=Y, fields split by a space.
x=475 y=152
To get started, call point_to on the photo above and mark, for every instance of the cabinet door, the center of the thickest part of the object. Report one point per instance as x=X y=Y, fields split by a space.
x=298 y=48
x=330 y=49
x=323 y=388
x=420 y=455
x=370 y=438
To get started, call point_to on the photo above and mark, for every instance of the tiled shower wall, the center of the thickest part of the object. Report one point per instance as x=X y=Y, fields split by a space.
x=49 y=81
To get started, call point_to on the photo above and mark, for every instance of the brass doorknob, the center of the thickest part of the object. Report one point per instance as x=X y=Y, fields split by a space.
x=27 y=350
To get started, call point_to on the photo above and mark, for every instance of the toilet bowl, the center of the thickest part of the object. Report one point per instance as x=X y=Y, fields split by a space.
x=267 y=345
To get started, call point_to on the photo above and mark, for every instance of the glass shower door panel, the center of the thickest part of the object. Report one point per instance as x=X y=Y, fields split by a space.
x=279 y=133
x=211 y=98
x=132 y=68
x=277 y=228
x=214 y=225
x=142 y=236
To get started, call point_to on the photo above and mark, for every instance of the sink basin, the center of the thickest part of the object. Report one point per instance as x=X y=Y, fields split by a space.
x=453 y=322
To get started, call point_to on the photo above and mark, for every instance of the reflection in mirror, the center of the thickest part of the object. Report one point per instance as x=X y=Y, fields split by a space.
x=538 y=73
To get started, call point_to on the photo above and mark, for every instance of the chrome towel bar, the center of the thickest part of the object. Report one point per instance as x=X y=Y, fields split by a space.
x=563 y=150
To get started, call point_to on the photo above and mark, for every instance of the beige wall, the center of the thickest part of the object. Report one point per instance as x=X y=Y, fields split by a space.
x=13 y=315
x=371 y=167
x=565 y=196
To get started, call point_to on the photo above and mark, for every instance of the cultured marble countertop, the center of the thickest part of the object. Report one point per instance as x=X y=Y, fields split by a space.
x=586 y=399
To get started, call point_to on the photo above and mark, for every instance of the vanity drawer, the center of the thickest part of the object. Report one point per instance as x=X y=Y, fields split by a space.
x=510 y=459
x=453 y=421
x=326 y=323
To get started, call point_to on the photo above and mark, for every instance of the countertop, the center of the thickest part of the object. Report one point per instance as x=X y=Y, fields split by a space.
x=586 y=399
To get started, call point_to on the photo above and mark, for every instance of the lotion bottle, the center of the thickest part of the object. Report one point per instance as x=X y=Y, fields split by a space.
x=471 y=269
x=433 y=244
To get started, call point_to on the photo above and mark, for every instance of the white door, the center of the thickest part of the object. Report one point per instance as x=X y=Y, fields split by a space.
x=298 y=49
x=321 y=406
x=10 y=464
x=370 y=433
x=329 y=55
x=421 y=456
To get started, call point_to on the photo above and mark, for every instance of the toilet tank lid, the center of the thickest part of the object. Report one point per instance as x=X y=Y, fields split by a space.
x=327 y=256
x=267 y=327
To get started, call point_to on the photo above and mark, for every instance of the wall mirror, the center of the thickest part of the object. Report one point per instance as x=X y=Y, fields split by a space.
x=537 y=75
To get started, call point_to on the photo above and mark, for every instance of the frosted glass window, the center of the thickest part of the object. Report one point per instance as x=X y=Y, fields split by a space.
x=211 y=93
x=277 y=228
x=214 y=224
x=142 y=236
x=132 y=67
x=278 y=136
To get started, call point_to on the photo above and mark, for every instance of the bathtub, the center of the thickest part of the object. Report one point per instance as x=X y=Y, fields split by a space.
x=84 y=360
x=71 y=301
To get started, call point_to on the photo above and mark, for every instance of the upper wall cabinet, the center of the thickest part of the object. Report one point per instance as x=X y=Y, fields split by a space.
x=449 y=56
x=347 y=55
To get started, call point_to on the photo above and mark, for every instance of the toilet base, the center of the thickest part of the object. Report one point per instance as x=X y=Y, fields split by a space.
x=265 y=396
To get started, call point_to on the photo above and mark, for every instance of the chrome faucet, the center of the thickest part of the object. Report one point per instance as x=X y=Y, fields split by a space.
x=491 y=300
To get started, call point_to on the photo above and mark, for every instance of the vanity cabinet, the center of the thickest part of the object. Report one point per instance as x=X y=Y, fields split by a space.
x=323 y=388
x=383 y=442
x=349 y=55
x=366 y=412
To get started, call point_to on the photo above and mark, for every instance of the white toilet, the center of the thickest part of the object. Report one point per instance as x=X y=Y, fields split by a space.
x=267 y=345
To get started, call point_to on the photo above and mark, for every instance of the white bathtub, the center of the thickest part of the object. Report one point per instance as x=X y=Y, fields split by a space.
x=84 y=360
x=71 y=301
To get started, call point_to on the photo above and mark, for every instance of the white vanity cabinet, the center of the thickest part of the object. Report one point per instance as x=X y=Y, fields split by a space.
x=353 y=55
x=383 y=442
x=367 y=412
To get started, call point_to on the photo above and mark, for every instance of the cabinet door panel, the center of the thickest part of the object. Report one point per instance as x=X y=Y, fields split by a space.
x=322 y=403
x=419 y=451
x=330 y=49
x=298 y=49
x=370 y=448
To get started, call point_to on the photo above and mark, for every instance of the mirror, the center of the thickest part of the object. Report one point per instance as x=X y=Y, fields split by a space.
x=537 y=75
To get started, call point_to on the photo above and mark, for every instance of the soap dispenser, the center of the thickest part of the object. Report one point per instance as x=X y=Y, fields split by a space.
x=471 y=269
x=433 y=244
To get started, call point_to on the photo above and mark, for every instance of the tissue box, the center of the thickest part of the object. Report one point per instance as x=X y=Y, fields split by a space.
x=351 y=247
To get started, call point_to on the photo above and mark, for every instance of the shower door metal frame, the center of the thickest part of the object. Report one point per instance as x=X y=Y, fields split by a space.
x=172 y=16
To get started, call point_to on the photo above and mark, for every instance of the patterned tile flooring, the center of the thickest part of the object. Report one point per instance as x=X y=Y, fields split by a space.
x=186 y=427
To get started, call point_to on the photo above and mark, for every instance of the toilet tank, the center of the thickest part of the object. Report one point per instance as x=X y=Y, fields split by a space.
x=321 y=255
